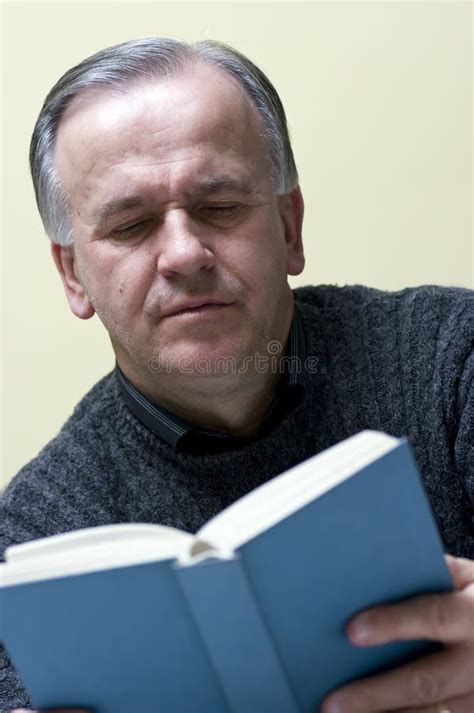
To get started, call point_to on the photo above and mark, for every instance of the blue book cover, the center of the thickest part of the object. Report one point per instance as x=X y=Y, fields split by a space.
x=249 y=616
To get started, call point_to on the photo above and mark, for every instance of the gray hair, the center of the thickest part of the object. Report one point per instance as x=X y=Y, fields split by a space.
x=149 y=57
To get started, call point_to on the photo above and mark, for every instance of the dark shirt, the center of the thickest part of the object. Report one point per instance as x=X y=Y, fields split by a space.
x=188 y=437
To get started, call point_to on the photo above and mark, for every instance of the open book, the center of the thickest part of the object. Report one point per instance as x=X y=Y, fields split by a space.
x=246 y=616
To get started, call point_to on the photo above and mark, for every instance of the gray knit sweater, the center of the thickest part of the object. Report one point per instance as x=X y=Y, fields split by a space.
x=399 y=362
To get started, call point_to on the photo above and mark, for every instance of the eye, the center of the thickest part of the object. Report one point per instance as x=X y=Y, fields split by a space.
x=220 y=210
x=131 y=230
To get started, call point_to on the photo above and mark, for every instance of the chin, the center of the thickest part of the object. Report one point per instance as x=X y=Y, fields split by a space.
x=199 y=361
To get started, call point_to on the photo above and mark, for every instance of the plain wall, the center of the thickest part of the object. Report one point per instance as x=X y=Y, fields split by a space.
x=378 y=98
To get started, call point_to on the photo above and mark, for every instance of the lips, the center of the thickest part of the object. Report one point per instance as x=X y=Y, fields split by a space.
x=187 y=306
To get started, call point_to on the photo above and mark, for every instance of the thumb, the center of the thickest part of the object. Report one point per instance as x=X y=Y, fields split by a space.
x=462 y=571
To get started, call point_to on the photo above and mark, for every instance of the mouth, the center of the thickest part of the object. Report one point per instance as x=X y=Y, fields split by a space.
x=198 y=307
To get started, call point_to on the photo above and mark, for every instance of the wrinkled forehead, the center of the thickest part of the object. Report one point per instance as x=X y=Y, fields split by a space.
x=198 y=104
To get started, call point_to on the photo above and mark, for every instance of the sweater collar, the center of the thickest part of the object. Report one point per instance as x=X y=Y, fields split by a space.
x=182 y=435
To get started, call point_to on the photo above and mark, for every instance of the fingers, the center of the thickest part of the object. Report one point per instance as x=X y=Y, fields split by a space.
x=438 y=677
x=448 y=618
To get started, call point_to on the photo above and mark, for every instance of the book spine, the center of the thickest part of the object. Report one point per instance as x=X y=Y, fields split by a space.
x=237 y=641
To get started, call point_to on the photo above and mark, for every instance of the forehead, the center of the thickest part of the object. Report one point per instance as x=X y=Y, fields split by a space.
x=169 y=129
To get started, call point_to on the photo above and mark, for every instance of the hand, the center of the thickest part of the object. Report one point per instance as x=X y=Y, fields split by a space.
x=439 y=681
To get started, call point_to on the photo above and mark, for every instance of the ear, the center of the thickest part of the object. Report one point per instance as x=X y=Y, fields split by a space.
x=64 y=259
x=291 y=207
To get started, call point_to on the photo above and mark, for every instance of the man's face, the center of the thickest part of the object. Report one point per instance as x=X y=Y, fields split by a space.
x=180 y=245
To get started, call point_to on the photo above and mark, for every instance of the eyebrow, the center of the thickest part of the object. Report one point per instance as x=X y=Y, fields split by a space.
x=117 y=206
x=204 y=187
x=220 y=184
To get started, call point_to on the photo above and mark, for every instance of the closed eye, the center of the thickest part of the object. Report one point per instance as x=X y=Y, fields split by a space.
x=217 y=211
x=131 y=230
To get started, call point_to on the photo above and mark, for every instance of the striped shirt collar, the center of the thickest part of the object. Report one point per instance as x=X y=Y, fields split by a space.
x=181 y=434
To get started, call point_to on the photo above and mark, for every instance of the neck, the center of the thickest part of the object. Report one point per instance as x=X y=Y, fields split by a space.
x=237 y=408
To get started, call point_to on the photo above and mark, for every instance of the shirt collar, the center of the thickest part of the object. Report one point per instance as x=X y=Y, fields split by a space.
x=181 y=434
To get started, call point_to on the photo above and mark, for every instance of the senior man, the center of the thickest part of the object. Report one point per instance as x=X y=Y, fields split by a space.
x=165 y=178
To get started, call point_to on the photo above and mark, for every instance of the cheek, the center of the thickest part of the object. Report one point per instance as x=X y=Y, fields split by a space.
x=119 y=279
x=258 y=247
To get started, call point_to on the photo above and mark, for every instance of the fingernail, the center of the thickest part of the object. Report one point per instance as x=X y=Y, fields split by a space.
x=334 y=704
x=361 y=630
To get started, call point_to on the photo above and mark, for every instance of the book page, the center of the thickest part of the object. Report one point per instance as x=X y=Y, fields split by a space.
x=92 y=549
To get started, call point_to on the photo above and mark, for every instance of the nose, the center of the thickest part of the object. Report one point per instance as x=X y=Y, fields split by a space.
x=181 y=249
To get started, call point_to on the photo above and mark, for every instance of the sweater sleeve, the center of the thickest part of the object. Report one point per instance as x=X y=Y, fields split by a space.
x=64 y=488
x=438 y=377
x=441 y=405
x=458 y=369
x=464 y=443
x=12 y=693
x=19 y=523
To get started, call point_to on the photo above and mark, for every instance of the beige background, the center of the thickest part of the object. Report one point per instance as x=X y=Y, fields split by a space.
x=378 y=97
